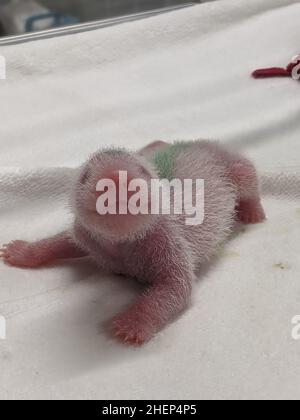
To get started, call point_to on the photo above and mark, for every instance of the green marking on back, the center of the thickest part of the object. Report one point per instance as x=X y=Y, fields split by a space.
x=164 y=163
x=164 y=160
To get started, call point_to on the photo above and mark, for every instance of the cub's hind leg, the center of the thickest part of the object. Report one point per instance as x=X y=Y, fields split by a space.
x=249 y=207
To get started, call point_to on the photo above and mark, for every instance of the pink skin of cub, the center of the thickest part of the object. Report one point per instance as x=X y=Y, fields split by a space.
x=158 y=249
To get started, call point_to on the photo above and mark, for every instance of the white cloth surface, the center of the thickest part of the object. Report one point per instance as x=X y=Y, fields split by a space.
x=180 y=75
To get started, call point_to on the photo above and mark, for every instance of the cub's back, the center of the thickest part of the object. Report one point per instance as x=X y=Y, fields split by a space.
x=207 y=161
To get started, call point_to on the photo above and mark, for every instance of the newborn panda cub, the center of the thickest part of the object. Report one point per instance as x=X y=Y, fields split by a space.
x=162 y=250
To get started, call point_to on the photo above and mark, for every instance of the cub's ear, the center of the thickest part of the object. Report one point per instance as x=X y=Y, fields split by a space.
x=84 y=176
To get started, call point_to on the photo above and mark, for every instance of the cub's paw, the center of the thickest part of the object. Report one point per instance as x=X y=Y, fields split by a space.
x=21 y=254
x=250 y=212
x=131 y=329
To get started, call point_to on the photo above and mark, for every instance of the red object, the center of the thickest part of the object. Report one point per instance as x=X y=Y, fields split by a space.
x=277 y=71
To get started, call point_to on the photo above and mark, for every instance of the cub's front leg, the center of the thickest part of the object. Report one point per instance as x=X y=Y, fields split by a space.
x=166 y=297
x=35 y=254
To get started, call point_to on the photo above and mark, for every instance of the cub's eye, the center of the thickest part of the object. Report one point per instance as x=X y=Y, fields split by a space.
x=84 y=177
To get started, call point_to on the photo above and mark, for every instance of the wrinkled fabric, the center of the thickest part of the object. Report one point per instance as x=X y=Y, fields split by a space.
x=181 y=75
